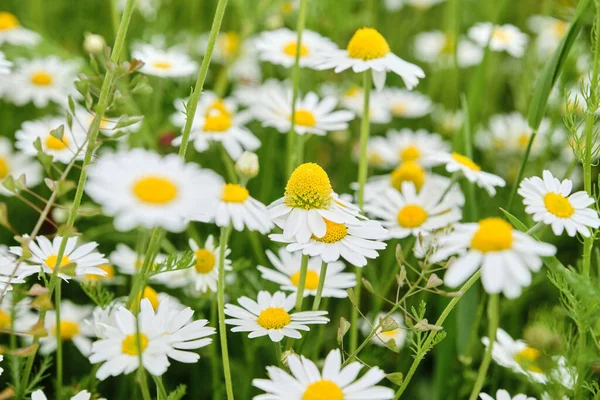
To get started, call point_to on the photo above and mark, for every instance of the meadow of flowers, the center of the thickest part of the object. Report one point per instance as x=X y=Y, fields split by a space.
x=299 y=200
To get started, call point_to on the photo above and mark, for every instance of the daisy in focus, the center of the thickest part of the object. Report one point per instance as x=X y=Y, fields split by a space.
x=270 y=315
x=506 y=38
x=78 y=260
x=550 y=201
x=437 y=47
x=306 y=382
x=237 y=208
x=204 y=274
x=502 y=394
x=456 y=162
x=507 y=257
x=168 y=63
x=287 y=274
x=407 y=104
x=15 y=164
x=11 y=31
x=368 y=50
x=71 y=328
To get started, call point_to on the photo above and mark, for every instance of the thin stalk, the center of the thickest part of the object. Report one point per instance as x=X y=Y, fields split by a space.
x=291 y=137
x=322 y=276
x=57 y=335
x=278 y=357
x=214 y=355
x=301 y=283
x=160 y=388
x=143 y=382
x=139 y=282
x=513 y=191
x=493 y=321
x=225 y=231
x=229 y=165
x=354 y=313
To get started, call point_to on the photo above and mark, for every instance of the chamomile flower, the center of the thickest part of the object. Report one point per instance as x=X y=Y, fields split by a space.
x=456 y=162
x=503 y=38
x=287 y=274
x=280 y=46
x=226 y=48
x=502 y=394
x=397 y=335
x=407 y=213
x=127 y=261
x=62 y=150
x=83 y=395
x=8 y=274
x=147 y=8
x=41 y=81
x=15 y=164
x=24 y=318
x=550 y=201
x=416 y=146
x=379 y=153
x=236 y=207
x=523 y=359
x=380 y=111
x=270 y=315
x=204 y=275
x=82 y=259
x=393 y=5
x=506 y=256
x=549 y=30
x=5 y=65
x=447 y=121
x=167 y=63
x=311 y=115
x=11 y=31
x=143 y=189
x=423 y=4
x=71 y=328
x=306 y=382
x=437 y=47
x=108 y=126
x=368 y=49
x=407 y=104
x=111 y=278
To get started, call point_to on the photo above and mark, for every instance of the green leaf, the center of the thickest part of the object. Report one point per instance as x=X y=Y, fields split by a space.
x=178 y=393
x=99 y=294
x=9 y=184
x=396 y=378
x=342 y=329
x=58 y=133
x=125 y=121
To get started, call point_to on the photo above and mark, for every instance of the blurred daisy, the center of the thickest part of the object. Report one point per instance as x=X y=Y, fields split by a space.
x=407 y=104
x=203 y=274
x=80 y=260
x=71 y=328
x=127 y=260
x=108 y=126
x=11 y=31
x=147 y=8
x=246 y=69
x=458 y=163
x=503 y=38
x=306 y=382
x=168 y=63
x=368 y=49
x=110 y=278
x=269 y=315
x=379 y=153
x=238 y=208
x=41 y=81
x=287 y=274
x=15 y=164
x=408 y=213
x=436 y=47
x=8 y=276
x=227 y=46
x=502 y=394
x=307 y=202
x=550 y=201
x=143 y=189
x=280 y=46
x=62 y=150
x=380 y=111
x=506 y=256
x=522 y=359
x=4 y=64
x=382 y=338
x=24 y=317
x=423 y=5
x=83 y=395
x=448 y=122
x=550 y=31
x=393 y=5
x=416 y=146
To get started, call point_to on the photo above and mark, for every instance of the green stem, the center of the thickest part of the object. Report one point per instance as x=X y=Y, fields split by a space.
x=301 y=282
x=140 y=279
x=160 y=388
x=257 y=247
x=143 y=382
x=215 y=359
x=59 y=347
x=278 y=356
x=354 y=313
x=515 y=186
x=322 y=276
x=493 y=322
x=229 y=165
x=225 y=231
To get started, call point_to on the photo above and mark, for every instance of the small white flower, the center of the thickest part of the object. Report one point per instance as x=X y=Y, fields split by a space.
x=238 y=208
x=407 y=104
x=71 y=328
x=549 y=200
x=503 y=38
x=168 y=63
x=127 y=260
x=12 y=32
x=419 y=146
x=550 y=31
x=382 y=338
x=93 y=43
x=436 y=47
x=15 y=164
x=5 y=65
x=226 y=48
x=458 y=163
x=380 y=111
x=502 y=394
x=83 y=395
x=270 y=315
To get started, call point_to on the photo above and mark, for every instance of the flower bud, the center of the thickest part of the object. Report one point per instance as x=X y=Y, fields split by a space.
x=59 y=215
x=93 y=43
x=247 y=165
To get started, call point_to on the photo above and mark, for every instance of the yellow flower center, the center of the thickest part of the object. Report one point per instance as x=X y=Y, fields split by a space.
x=233 y=193
x=334 y=233
x=8 y=21
x=558 y=205
x=219 y=106
x=110 y=273
x=500 y=35
x=308 y=187
x=151 y=295
x=399 y=108
x=41 y=78
x=408 y=171
x=53 y=143
x=217 y=122
x=388 y=334
x=162 y=65
x=323 y=390
x=287 y=8
x=205 y=261
x=412 y=216
x=493 y=234
x=305 y=118
x=155 y=190
x=68 y=330
x=560 y=28
x=5 y=320
x=375 y=159
x=449 y=45
x=410 y=153
x=231 y=42
x=274 y=318
x=353 y=91
x=51 y=261
x=292 y=47
x=4 y=168
x=130 y=344
x=466 y=161
x=527 y=358
x=312 y=280
x=523 y=141
x=367 y=44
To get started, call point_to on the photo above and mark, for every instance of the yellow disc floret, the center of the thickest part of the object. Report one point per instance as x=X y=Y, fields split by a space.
x=311 y=282
x=68 y=330
x=323 y=390
x=41 y=78
x=51 y=261
x=466 y=161
x=334 y=232
x=367 y=44
x=217 y=122
x=164 y=65
x=8 y=21
x=410 y=153
x=5 y=320
x=408 y=171
x=305 y=118
x=558 y=205
x=291 y=48
x=493 y=234
x=130 y=346
x=308 y=187
x=4 y=168
x=233 y=193
x=155 y=190
x=205 y=261
x=528 y=358
x=53 y=143
x=412 y=216
x=274 y=318
x=151 y=295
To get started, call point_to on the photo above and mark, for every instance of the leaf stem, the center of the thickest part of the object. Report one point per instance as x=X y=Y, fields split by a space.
x=322 y=277
x=301 y=283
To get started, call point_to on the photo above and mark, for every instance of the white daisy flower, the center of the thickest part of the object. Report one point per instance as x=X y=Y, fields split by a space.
x=15 y=164
x=522 y=359
x=83 y=395
x=549 y=30
x=447 y=121
x=408 y=213
x=110 y=278
x=227 y=46
x=423 y=4
x=380 y=111
x=407 y=104
x=167 y=63
x=71 y=328
x=419 y=146
x=436 y=47
x=41 y=81
x=354 y=242
x=147 y=8
x=236 y=207
x=80 y=260
x=308 y=201
x=393 y=5
x=550 y=201
x=287 y=274
x=8 y=274
x=502 y=394
x=311 y=115
x=62 y=150
x=382 y=338
x=503 y=38
x=24 y=317
x=379 y=153
x=458 y=163
x=5 y=65
x=11 y=31
x=83 y=118
x=270 y=315
x=142 y=188
x=217 y=121
x=246 y=68
x=306 y=382
x=506 y=256
x=368 y=49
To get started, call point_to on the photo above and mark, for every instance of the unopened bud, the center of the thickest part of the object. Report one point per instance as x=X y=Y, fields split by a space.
x=93 y=43
x=247 y=165
x=60 y=215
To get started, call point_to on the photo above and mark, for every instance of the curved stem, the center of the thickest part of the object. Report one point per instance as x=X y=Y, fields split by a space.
x=322 y=276
x=221 y=309
x=301 y=283
x=493 y=321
